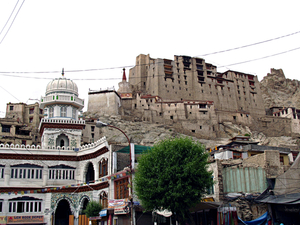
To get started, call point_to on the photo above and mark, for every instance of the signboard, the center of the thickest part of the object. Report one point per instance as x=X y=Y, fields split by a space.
x=95 y=218
x=2 y=220
x=121 y=210
x=103 y=213
x=25 y=219
x=126 y=95
x=112 y=203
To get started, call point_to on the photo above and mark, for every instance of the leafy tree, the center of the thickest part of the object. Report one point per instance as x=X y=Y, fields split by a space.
x=173 y=175
x=92 y=209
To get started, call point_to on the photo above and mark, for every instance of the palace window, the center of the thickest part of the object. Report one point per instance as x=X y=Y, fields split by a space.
x=121 y=189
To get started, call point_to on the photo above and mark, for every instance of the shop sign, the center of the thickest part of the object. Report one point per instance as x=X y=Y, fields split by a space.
x=103 y=213
x=208 y=200
x=121 y=210
x=95 y=218
x=25 y=219
x=112 y=203
x=2 y=220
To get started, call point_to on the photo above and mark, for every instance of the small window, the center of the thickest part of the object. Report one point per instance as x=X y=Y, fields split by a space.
x=11 y=108
x=51 y=112
x=31 y=110
x=63 y=111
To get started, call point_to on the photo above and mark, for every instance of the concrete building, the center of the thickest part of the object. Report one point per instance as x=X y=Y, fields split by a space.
x=20 y=125
x=104 y=101
x=52 y=183
x=293 y=114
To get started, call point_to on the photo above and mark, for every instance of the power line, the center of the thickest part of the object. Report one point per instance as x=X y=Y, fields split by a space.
x=9 y=17
x=249 y=45
x=12 y=22
x=74 y=71
x=251 y=60
x=10 y=93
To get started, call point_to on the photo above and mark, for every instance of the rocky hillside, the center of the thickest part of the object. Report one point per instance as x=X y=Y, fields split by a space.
x=278 y=91
x=145 y=133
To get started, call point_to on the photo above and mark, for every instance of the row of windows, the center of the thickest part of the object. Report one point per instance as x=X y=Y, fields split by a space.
x=63 y=112
x=25 y=206
x=62 y=174
x=20 y=173
x=26 y=173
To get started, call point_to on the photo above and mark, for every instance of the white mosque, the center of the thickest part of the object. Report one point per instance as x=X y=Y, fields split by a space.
x=52 y=183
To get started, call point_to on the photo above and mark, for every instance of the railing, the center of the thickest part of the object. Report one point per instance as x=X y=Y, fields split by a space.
x=32 y=147
x=45 y=120
x=64 y=98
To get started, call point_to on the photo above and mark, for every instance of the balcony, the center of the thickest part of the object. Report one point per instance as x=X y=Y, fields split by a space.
x=60 y=98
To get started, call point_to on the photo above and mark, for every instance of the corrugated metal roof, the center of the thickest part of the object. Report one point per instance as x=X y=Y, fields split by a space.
x=138 y=149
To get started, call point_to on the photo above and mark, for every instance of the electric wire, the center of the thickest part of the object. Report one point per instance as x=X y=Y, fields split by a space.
x=10 y=93
x=9 y=17
x=12 y=22
x=130 y=66
x=251 y=60
x=249 y=45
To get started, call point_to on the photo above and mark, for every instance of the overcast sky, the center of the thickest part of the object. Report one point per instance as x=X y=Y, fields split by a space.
x=47 y=36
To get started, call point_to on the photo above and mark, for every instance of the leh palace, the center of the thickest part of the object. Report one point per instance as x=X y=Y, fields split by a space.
x=54 y=159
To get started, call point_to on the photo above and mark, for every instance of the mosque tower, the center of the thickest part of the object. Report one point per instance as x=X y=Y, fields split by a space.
x=60 y=125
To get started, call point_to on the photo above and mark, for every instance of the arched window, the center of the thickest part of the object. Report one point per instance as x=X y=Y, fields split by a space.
x=63 y=111
x=103 y=199
x=103 y=167
x=74 y=113
x=62 y=143
x=51 y=111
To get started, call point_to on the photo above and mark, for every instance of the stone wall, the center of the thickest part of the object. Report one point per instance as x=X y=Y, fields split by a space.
x=104 y=102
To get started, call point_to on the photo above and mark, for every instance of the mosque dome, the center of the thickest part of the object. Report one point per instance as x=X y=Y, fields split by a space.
x=62 y=85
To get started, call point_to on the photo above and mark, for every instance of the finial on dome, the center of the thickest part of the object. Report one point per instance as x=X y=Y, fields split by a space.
x=62 y=72
x=124 y=75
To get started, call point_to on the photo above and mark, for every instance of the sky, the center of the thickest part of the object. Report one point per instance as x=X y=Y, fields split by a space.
x=93 y=40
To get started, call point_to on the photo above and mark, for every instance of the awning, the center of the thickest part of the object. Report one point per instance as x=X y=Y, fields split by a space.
x=287 y=199
x=259 y=221
x=138 y=149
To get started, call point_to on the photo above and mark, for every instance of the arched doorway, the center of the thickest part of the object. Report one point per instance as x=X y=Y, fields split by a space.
x=84 y=204
x=62 y=141
x=62 y=213
x=90 y=174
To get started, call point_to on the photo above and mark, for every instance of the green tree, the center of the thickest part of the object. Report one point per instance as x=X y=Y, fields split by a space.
x=92 y=209
x=173 y=175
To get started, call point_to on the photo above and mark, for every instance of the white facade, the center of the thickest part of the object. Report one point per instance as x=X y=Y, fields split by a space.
x=19 y=176
x=45 y=184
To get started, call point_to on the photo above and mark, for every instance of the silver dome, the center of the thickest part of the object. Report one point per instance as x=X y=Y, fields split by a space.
x=63 y=85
